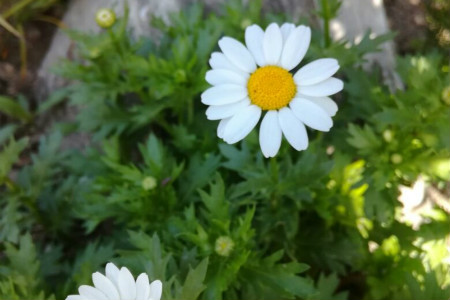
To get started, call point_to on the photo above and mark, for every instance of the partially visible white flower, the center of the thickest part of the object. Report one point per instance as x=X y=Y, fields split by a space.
x=255 y=79
x=119 y=285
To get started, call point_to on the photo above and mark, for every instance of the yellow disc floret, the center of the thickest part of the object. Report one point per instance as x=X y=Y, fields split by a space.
x=271 y=87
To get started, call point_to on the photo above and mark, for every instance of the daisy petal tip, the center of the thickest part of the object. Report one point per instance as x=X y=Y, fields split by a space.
x=155 y=290
x=340 y=84
x=270 y=134
x=111 y=265
x=253 y=27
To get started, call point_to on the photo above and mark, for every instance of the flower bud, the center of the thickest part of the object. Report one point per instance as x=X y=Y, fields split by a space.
x=396 y=158
x=180 y=76
x=446 y=95
x=105 y=18
x=245 y=23
x=149 y=183
x=388 y=135
x=224 y=245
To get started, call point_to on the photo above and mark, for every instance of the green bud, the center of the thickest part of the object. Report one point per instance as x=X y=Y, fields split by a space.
x=224 y=245
x=446 y=95
x=148 y=183
x=180 y=76
x=396 y=158
x=94 y=52
x=430 y=140
x=388 y=135
x=331 y=184
x=245 y=23
x=105 y=18
x=416 y=143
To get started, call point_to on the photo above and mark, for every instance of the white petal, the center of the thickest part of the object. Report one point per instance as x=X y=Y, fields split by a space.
x=327 y=87
x=293 y=130
x=221 y=127
x=286 y=29
x=224 y=94
x=316 y=71
x=238 y=54
x=75 y=297
x=127 y=285
x=295 y=47
x=311 y=114
x=102 y=283
x=241 y=124
x=218 y=112
x=155 y=290
x=224 y=76
x=91 y=293
x=272 y=44
x=270 y=134
x=112 y=272
x=325 y=103
x=219 y=61
x=142 y=287
x=254 y=40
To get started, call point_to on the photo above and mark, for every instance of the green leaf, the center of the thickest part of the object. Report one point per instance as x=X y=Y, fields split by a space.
x=9 y=156
x=236 y=158
x=149 y=253
x=153 y=153
x=199 y=173
x=364 y=138
x=6 y=132
x=215 y=201
x=369 y=44
x=14 y=109
x=22 y=271
x=326 y=287
x=194 y=283
x=54 y=99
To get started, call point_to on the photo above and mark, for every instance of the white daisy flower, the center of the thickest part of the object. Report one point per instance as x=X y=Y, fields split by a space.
x=119 y=285
x=247 y=80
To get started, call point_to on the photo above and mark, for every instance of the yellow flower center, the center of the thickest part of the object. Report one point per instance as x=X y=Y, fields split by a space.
x=271 y=87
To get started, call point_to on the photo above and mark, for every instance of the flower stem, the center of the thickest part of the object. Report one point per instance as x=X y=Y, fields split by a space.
x=115 y=42
x=326 y=22
x=190 y=111
x=274 y=173
x=274 y=169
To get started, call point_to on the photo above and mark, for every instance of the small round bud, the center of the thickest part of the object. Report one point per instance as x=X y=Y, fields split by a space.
x=388 y=135
x=416 y=143
x=149 y=183
x=94 y=53
x=224 y=245
x=180 y=76
x=396 y=158
x=245 y=23
x=446 y=95
x=105 y=17
x=430 y=140
x=331 y=184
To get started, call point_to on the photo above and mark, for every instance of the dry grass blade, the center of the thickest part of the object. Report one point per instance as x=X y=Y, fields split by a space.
x=5 y=24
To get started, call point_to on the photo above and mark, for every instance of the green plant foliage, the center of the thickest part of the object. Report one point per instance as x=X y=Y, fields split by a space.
x=20 y=278
x=156 y=190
